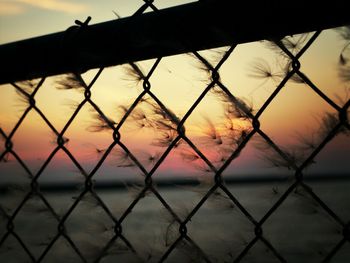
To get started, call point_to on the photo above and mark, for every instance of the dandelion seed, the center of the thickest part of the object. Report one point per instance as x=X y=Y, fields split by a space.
x=290 y=159
x=213 y=136
x=171 y=231
x=101 y=123
x=304 y=201
x=328 y=122
x=345 y=97
x=35 y=205
x=293 y=44
x=163 y=119
x=307 y=143
x=123 y=109
x=342 y=60
x=23 y=98
x=344 y=32
x=219 y=200
x=189 y=156
x=165 y=139
x=202 y=167
x=92 y=151
x=148 y=159
x=28 y=85
x=134 y=73
x=237 y=108
x=138 y=114
x=101 y=227
x=192 y=253
x=140 y=119
x=72 y=104
x=260 y=69
x=203 y=66
x=344 y=56
x=122 y=158
x=344 y=73
x=221 y=157
x=71 y=81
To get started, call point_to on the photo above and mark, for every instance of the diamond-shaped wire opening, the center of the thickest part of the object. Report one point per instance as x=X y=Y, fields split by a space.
x=183 y=179
x=67 y=94
x=148 y=131
x=113 y=81
x=256 y=196
x=117 y=170
x=34 y=147
x=89 y=226
x=252 y=72
x=295 y=104
x=309 y=223
x=89 y=137
x=175 y=75
x=296 y=134
x=146 y=227
x=219 y=139
x=219 y=221
x=60 y=180
x=182 y=163
x=36 y=225
x=124 y=192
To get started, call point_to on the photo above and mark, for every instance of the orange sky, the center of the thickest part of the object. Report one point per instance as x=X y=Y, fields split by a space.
x=177 y=82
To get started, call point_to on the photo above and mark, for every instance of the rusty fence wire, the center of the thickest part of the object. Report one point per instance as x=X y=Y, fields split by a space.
x=174 y=133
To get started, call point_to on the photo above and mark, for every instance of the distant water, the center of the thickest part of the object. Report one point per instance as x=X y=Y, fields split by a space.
x=300 y=230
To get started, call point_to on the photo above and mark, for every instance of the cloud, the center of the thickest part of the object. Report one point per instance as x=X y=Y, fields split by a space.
x=55 y=5
x=10 y=8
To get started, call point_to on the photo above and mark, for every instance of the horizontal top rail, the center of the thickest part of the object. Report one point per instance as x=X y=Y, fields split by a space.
x=195 y=26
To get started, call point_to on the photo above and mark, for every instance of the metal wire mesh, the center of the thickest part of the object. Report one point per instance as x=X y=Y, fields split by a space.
x=175 y=133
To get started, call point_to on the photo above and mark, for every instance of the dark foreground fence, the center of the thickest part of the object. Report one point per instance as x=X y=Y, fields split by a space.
x=183 y=29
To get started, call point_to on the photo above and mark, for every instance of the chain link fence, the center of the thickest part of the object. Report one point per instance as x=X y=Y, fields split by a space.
x=176 y=236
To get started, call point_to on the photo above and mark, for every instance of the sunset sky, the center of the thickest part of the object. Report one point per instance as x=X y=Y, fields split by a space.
x=177 y=82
